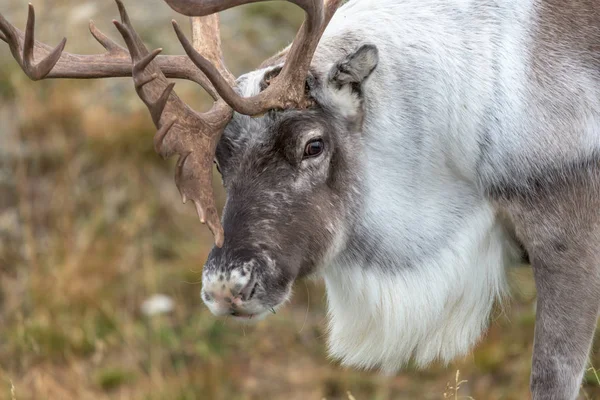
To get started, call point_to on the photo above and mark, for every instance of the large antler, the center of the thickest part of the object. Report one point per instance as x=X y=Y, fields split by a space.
x=287 y=90
x=181 y=130
x=115 y=62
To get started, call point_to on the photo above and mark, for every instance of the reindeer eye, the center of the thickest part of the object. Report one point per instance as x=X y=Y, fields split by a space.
x=314 y=148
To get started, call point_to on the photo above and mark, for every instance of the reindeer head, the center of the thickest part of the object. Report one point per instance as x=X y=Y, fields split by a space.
x=289 y=156
x=293 y=187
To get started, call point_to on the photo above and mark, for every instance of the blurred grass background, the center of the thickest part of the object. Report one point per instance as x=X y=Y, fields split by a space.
x=91 y=225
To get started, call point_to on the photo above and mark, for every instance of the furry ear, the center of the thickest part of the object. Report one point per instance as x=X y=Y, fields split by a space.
x=269 y=76
x=356 y=67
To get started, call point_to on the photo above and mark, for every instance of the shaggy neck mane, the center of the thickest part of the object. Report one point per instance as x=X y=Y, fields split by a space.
x=435 y=309
x=418 y=276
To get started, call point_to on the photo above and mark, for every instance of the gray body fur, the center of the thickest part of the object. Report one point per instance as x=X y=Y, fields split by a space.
x=477 y=132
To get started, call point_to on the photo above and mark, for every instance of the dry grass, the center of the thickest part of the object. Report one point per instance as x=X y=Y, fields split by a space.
x=91 y=225
x=453 y=389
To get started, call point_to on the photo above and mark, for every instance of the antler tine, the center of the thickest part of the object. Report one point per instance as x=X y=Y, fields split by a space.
x=56 y=63
x=206 y=38
x=287 y=89
x=195 y=8
x=331 y=7
x=181 y=130
x=220 y=82
x=105 y=41
x=25 y=55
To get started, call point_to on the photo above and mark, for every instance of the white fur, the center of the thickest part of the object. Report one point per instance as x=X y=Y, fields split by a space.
x=433 y=95
x=453 y=107
x=435 y=310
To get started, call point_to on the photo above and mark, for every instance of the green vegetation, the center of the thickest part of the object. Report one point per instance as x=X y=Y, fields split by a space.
x=111 y=378
x=91 y=225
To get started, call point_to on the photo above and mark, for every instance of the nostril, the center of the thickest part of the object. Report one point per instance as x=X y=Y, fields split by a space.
x=252 y=291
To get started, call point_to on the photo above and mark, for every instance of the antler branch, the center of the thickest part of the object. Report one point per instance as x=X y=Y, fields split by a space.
x=55 y=63
x=287 y=90
x=181 y=130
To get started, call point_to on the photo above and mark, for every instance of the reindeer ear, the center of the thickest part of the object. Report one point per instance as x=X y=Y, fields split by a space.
x=269 y=76
x=356 y=67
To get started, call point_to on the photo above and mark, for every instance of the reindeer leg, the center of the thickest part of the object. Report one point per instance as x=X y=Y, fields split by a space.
x=557 y=217
x=565 y=322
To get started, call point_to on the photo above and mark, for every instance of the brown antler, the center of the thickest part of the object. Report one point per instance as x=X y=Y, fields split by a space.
x=55 y=63
x=288 y=88
x=181 y=130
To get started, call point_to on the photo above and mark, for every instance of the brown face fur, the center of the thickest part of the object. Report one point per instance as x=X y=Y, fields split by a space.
x=286 y=208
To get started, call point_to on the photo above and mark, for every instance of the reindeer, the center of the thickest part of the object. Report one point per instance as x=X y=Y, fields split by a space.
x=407 y=151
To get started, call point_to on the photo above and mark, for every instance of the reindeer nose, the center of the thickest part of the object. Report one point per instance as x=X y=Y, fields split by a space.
x=226 y=292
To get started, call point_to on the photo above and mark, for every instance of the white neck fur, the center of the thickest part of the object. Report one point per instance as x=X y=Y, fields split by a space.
x=433 y=311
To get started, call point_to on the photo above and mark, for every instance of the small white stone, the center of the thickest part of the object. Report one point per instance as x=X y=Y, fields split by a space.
x=157 y=304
